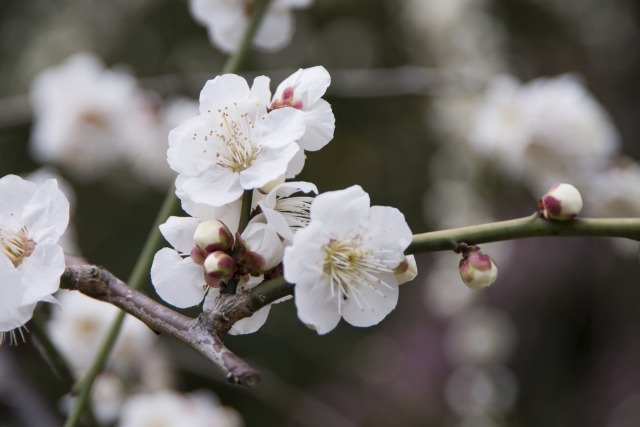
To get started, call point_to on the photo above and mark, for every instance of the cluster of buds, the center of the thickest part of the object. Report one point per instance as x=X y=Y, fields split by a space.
x=214 y=243
x=477 y=269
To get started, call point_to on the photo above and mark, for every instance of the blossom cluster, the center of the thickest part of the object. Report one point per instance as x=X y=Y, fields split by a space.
x=90 y=120
x=345 y=257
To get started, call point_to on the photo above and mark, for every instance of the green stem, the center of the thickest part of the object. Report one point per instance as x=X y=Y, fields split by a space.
x=245 y=210
x=532 y=226
x=141 y=269
x=270 y=291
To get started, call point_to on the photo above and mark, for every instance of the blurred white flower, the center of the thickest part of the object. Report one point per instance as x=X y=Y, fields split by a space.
x=80 y=326
x=148 y=135
x=32 y=219
x=343 y=263
x=549 y=130
x=615 y=192
x=227 y=20
x=81 y=111
x=172 y=409
x=233 y=145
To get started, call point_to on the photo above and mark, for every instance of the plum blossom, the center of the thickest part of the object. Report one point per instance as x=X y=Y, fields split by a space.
x=548 y=130
x=81 y=110
x=303 y=90
x=226 y=21
x=172 y=409
x=233 y=144
x=32 y=219
x=180 y=275
x=343 y=262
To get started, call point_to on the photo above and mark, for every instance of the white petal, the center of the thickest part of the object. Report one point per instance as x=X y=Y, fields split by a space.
x=214 y=187
x=354 y=205
x=41 y=272
x=223 y=90
x=251 y=324
x=46 y=215
x=285 y=126
x=186 y=153
x=260 y=89
x=279 y=223
x=178 y=281
x=321 y=124
x=16 y=193
x=316 y=306
x=376 y=302
x=178 y=231
x=11 y=297
x=312 y=83
x=388 y=228
x=296 y=164
x=271 y=163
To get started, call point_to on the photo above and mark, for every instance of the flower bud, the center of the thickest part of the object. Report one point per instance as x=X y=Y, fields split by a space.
x=407 y=270
x=562 y=202
x=477 y=270
x=219 y=266
x=213 y=235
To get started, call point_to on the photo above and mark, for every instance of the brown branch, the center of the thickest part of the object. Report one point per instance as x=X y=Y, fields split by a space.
x=204 y=333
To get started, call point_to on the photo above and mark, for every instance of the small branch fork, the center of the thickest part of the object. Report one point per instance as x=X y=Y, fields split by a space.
x=203 y=333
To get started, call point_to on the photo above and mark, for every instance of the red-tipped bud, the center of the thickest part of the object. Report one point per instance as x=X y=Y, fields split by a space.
x=219 y=266
x=562 y=202
x=213 y=235
x=477 y=270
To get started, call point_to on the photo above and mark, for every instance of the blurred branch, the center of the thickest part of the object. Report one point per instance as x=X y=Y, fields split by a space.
x=202 y=333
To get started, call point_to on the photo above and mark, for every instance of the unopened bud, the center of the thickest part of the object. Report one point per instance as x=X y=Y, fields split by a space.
x=562 y=202
x=219 y=266
x=213 y=235
x=407 y=270
x=477 y=270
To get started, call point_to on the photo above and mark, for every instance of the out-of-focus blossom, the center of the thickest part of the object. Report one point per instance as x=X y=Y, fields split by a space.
x=548 y=130
x=227 y=20
x=616 y=192
x=80 y=326
x=171 y=409
x=233 y=145
x=32 y=220
x=343 y=263
x=81 y=113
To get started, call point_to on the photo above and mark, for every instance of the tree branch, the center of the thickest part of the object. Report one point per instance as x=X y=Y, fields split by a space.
x=202 y=333
x=531 y=226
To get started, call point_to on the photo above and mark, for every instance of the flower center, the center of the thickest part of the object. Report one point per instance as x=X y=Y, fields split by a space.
x=353 y=268
x=15 y=244
x=295 y=210
x=238 y=148
x=287 y=99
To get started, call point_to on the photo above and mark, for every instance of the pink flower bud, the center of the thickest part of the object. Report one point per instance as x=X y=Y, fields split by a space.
x=562 y=202
x=213 y=235
x=477 y=270
x=219 y=266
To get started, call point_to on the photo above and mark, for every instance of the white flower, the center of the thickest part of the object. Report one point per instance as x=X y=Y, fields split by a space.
x=343 y=263
x=303 y=91
x=264 y=249
x=287 y=213
x=81 y=112
x=32 y=219
x=227 y=20
x=78 y=328
x=562 y=202
x=233 y=145
x=546 y=131
x=171 y=409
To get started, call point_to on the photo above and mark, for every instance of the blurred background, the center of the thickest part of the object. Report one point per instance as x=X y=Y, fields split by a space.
x=426 y=123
